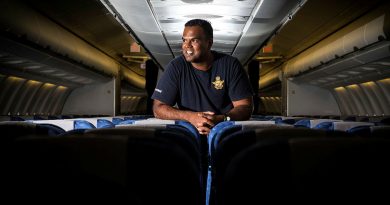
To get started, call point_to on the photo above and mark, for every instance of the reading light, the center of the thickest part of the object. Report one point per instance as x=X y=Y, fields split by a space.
x=13 y=78
x=353 y=86
x=62 y=87
x=370 y=83
x=340 y=89
x=386 y=80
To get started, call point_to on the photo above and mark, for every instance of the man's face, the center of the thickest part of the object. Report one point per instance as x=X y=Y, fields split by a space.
x=195 y=44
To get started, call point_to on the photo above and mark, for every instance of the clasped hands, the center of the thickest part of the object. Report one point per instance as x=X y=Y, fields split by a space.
x=205 y=121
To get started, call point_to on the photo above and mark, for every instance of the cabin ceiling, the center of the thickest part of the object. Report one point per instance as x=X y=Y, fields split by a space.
x=240 y=26
x=113 y=26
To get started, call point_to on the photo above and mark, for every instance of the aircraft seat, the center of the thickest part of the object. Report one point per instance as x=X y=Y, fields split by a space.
x=304 y=169
x=341 y=125
x=311 y=123
x=101 y=166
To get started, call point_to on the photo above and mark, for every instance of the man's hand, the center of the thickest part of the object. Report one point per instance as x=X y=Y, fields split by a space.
x=205 y=121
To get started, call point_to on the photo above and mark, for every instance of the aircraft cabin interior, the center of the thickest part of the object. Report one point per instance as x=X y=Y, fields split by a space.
x=320 y=72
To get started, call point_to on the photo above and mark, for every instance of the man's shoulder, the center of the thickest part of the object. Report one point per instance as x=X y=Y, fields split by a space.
x=176 y=64
x=179 y=60
x=223 y=56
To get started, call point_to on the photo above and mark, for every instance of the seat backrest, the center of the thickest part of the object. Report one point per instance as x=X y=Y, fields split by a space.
x=380 y=131
x=99 y=167
x=311 y=123
x=14 y=129
x=303 y=169
x=342 y=125
x=223 y=129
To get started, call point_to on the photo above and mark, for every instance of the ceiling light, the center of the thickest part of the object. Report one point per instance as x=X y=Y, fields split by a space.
x=368 y=68
x=353 y=72
x=383 y=63
x=47 y=71
x=33 y=67
x=15 y=61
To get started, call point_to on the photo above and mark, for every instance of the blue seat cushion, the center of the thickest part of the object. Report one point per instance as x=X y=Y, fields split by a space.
x=127 y=122
x=116 y=120
x=324 y=126
x=103 y=123
x=302 y=123
x=82 y=124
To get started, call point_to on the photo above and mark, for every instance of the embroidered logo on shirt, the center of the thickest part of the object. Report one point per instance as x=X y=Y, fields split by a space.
x=218 y=83
x=158 y=90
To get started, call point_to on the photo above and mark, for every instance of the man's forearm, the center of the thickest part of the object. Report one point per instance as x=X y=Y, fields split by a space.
x=242 y=112
x=202 y=121
x=167 y=112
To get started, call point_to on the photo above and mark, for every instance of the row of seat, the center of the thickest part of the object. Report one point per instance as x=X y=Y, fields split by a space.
x=58 y=117
x=367 y=129
x=334 y=117
x=122 y=165
x=277 y=164
x=250 y=162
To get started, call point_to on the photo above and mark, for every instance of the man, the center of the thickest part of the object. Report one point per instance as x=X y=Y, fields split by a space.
x=208 y=87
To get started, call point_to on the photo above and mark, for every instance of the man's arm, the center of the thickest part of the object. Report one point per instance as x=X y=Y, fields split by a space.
x=198 y=119
x=204 y=121
x=242 y=109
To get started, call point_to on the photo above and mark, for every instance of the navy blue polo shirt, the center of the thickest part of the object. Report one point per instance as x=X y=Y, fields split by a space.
x=195 y=90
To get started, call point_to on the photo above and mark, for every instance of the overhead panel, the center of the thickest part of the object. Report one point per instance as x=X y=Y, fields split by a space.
x=227 y=18
x=240 y=26
x=138 y=16
x=266 y=18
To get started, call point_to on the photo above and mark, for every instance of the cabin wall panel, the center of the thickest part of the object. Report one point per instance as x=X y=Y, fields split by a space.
x=366 y=99
x=95 y=99
x=265 y=104
x=344 y=109
x=354 y=101
x=40 y=98
x=28 y=97
x=124 y=104
x=6 y=91
x=54 y=101
x=60 y=100
x=381 y=99
x=44 y=105
x=134 y=104
x=271 y=105
x=50 y=103
x=13 y=93
x=374 y=98
x=365 y=102
x=384 y=85
x=27 y=90
x=31 y=98
x=141 y=106
x=303 y=99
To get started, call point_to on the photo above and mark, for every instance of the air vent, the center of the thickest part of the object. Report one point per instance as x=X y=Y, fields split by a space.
x=203 y=16
x=196 y=1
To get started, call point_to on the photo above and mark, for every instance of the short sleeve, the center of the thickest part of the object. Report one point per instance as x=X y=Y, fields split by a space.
x=240 y=86
x=167 y=87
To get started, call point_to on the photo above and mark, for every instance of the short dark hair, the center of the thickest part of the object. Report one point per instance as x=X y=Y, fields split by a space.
x=206 y=25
